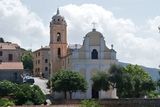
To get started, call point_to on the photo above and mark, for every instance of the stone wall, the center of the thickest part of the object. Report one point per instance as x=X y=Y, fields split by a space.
x=130 y=103
x=116 y=102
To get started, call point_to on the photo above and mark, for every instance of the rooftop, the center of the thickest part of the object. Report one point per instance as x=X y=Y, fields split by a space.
x=74 y=46
x=42 y=48
x=8 y=45
x=11 y=66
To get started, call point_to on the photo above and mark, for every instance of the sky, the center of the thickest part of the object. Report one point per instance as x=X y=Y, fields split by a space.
x=130 y=25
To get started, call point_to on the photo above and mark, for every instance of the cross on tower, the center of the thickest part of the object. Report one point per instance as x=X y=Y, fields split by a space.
x=94 y=25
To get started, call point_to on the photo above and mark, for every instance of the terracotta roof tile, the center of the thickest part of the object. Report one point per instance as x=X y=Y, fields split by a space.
x=11 y=65
x=8 y=46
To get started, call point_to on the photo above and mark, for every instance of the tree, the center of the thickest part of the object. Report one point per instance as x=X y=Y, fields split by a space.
x=131 y=81
x=158 y=82
x=117 y=79
x=68 y=81
x=100 y=81
x=27 y=60
x=140 y=81
x=115 y=75
x=38 y=96
x=7 y=88
x=27 y=93
x=21 y=93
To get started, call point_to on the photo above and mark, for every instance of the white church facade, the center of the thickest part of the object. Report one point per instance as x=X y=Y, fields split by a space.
x=93 y=56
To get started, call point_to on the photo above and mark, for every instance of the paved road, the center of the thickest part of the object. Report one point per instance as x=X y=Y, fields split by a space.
x=42 y=83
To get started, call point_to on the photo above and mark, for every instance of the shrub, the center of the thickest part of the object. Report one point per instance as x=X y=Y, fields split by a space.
x=38 y=96
x=4 y=102
x=89 y=103
x=7 y=88
x=28 y=103
x=27 y=93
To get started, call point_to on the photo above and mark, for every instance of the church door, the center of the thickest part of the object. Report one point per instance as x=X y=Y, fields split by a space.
x=95 y=94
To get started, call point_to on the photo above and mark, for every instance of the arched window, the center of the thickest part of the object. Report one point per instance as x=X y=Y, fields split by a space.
x=94 y=54
x=58 y=37
x=59 y=52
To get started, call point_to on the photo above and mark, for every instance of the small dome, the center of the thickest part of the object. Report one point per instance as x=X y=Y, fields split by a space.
x=94 y=37
x=94 y=33
x=58 y=19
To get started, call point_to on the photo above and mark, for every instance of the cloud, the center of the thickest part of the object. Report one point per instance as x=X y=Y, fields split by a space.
x=134 y=44
x=18 y=24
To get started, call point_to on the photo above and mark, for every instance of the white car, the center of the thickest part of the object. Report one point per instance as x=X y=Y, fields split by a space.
x=28 y=79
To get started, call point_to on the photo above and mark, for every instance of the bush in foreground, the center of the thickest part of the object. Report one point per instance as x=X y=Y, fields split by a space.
x=89 y=103
x=21 y=93
x=4 y=102
x=27 y=93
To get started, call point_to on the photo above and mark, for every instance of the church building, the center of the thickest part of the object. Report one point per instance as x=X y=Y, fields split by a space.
x=91 y=57
x=87 y=59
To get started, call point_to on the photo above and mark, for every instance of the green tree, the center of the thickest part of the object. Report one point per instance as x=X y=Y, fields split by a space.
x=38 y=97
x=131 y=81
x=117 y=79
x=115 y=76
x=158 y=82
x=7 y=88
x=140 y=81
x=100 y=81
x=21 y=93
x=27 y=60
x=27 y=93
x=68 y=81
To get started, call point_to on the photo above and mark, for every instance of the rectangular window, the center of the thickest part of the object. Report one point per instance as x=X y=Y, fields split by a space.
x=38 y=69
x=38 y=61
x=46 y=60
x=46 y=68
x=59 y=52
x=1 y=53
x=10 y=57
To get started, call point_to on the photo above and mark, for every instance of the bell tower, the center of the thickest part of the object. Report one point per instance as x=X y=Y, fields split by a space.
x=58 y=42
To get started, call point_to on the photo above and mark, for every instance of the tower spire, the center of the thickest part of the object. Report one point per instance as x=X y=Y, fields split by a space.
x=57 y=11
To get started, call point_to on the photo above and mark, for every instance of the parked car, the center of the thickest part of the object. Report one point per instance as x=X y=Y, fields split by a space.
x=28 y=79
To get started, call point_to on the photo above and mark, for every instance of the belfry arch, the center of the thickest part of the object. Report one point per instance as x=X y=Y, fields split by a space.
x=94 y=54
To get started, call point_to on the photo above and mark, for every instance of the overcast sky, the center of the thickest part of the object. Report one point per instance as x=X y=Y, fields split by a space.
x=130 y=25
